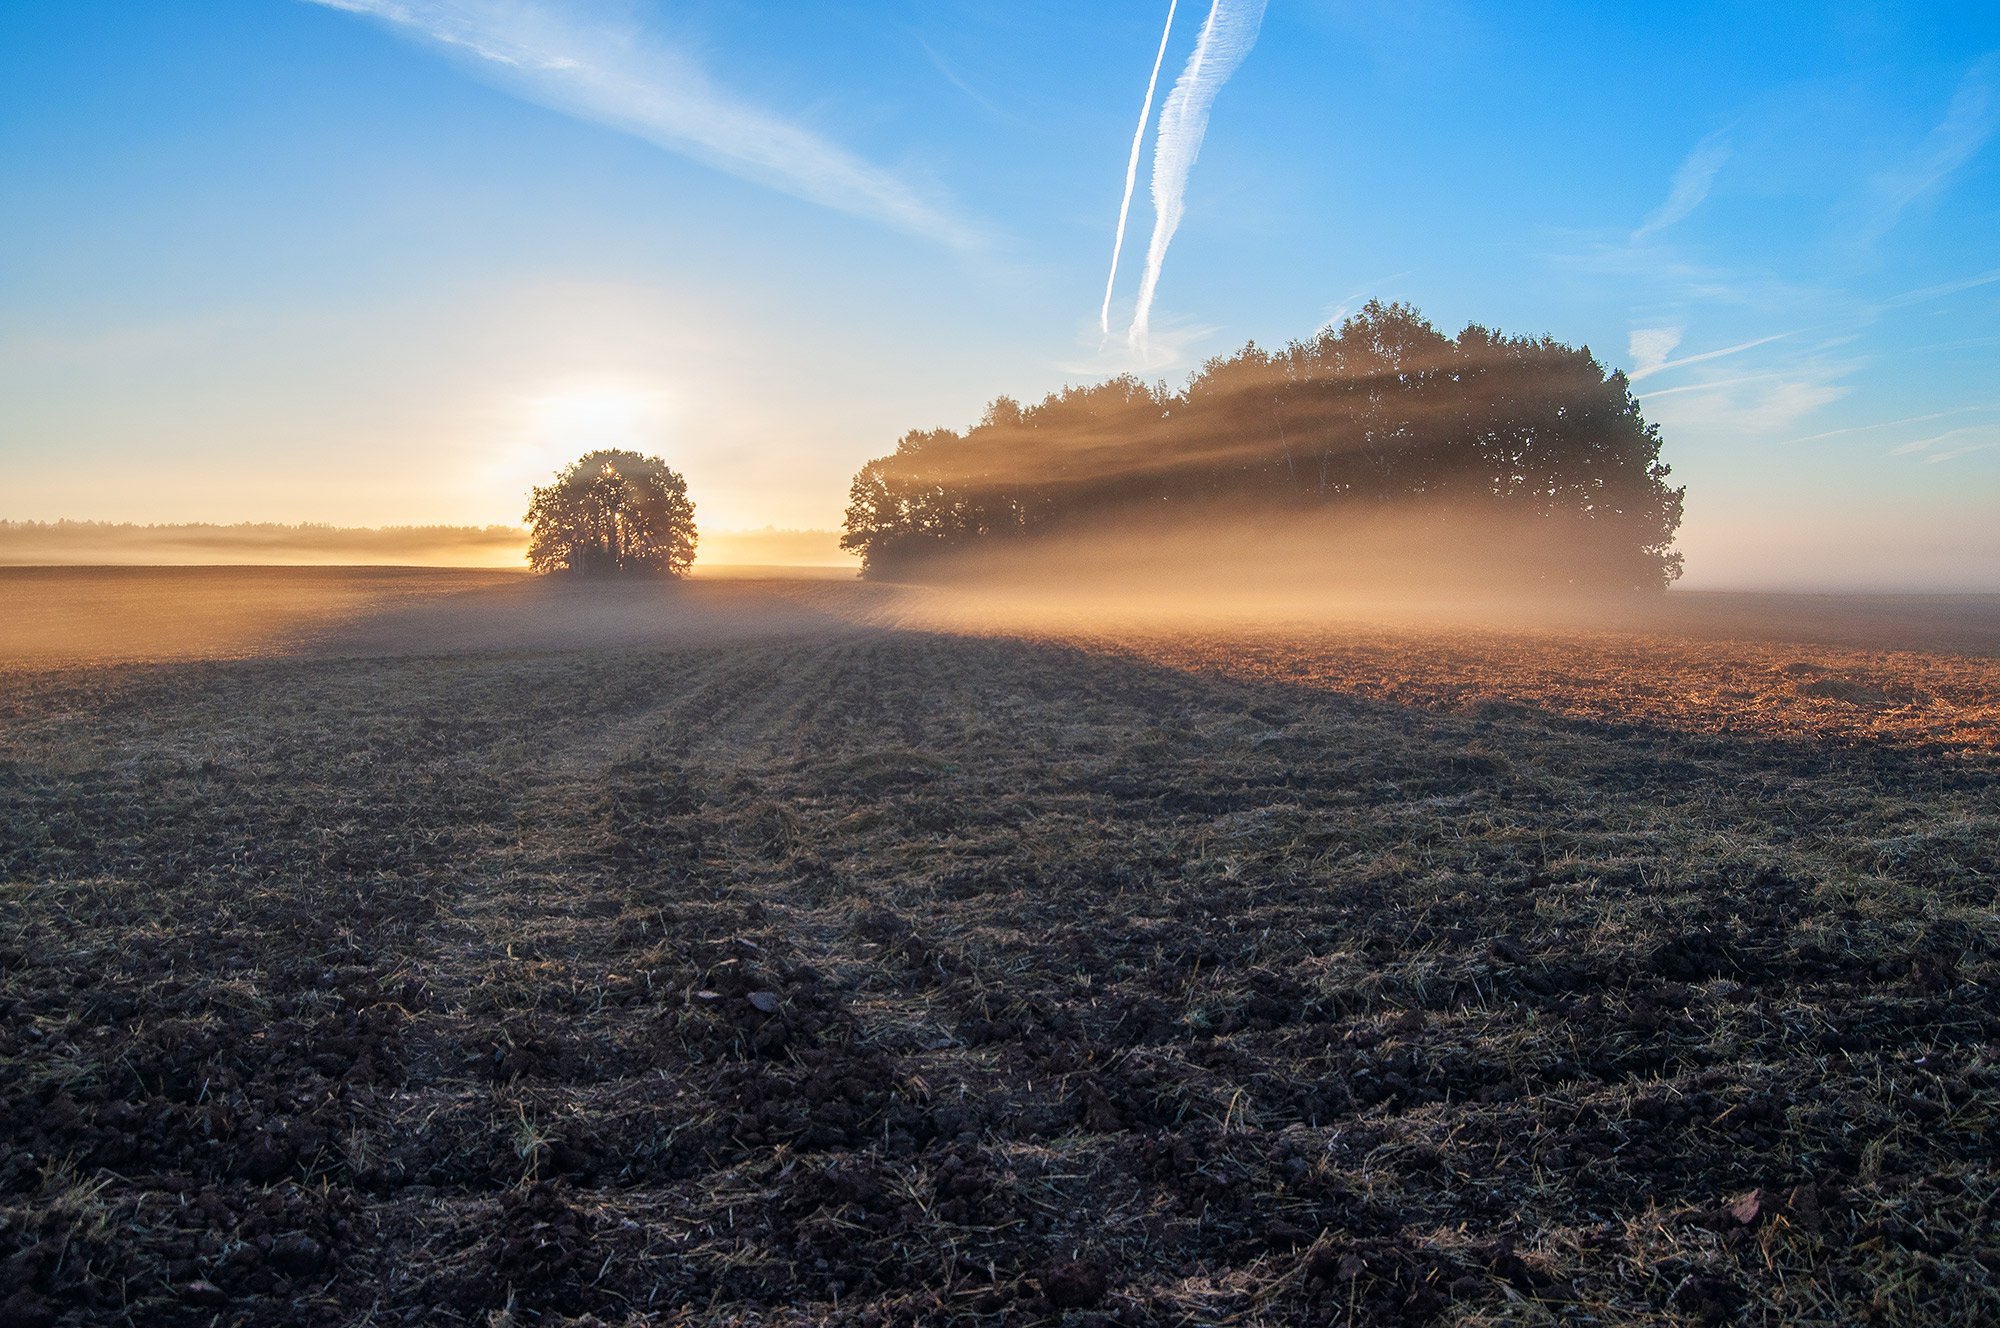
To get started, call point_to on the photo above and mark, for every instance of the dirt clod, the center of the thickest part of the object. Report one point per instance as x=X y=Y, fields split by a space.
x=1073 y=1284
x=297 y=1255
x=24 y=1309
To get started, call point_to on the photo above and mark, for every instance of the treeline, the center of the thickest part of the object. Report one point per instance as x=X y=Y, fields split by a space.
x=1465 y=436
x=252 y=542
x=31 y=543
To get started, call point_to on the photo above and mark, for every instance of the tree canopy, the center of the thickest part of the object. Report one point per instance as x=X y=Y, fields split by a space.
x=612 y=512
x=1384 y=410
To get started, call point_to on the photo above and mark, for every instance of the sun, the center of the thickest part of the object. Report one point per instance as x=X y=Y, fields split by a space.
x=548 y=429
x=586 y=417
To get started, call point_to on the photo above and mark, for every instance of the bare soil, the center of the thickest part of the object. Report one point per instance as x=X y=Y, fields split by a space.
x=783 y=953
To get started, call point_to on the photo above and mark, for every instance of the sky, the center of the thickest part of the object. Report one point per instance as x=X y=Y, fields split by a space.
x=395 y=261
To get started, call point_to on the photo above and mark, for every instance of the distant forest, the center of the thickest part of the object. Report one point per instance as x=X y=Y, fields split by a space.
x=38 y=543
x=1462 y=437
x=114 y=542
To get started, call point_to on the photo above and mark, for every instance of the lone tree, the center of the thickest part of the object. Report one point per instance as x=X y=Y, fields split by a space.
x=612 y=513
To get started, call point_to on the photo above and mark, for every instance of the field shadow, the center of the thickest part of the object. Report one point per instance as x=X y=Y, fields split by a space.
x=57 y=617
x=545 y=614
x=66 y=617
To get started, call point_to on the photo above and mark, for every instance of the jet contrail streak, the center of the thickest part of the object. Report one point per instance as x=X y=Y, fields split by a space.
x=1132 y=169
x=1226 y=38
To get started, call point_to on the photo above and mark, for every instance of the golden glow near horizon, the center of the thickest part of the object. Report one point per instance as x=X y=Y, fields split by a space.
x=569 y=419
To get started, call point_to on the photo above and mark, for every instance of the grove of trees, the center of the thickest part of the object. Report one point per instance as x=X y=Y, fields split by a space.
x=609 y=513
x=1383 y=413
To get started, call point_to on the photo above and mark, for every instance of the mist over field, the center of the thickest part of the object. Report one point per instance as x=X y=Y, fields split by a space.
x=106 y=543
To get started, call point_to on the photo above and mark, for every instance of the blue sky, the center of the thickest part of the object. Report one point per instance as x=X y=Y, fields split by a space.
x=392 y=261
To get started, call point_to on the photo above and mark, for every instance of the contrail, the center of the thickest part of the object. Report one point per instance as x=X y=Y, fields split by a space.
x=1132 y=169
x=1227 y=36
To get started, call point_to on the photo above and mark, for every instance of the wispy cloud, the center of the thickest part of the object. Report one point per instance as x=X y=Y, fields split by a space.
x=1692 y=182
x=1938 y=458
x=1944 y=289
x=1226 y=39
x=1755 y=406
x=1132 y=168
x=1892 y=424
x=1648 y=348
x=1173 y=344
x=1711 y=385
x=1758 y=388
x=565 y=57
x=1968 y=123
x=1949 y=444
x=953 y=77
x=1663 y=364
x=1780 y=387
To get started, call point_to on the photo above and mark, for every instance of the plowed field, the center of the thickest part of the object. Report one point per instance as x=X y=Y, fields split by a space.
x=775 y=954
